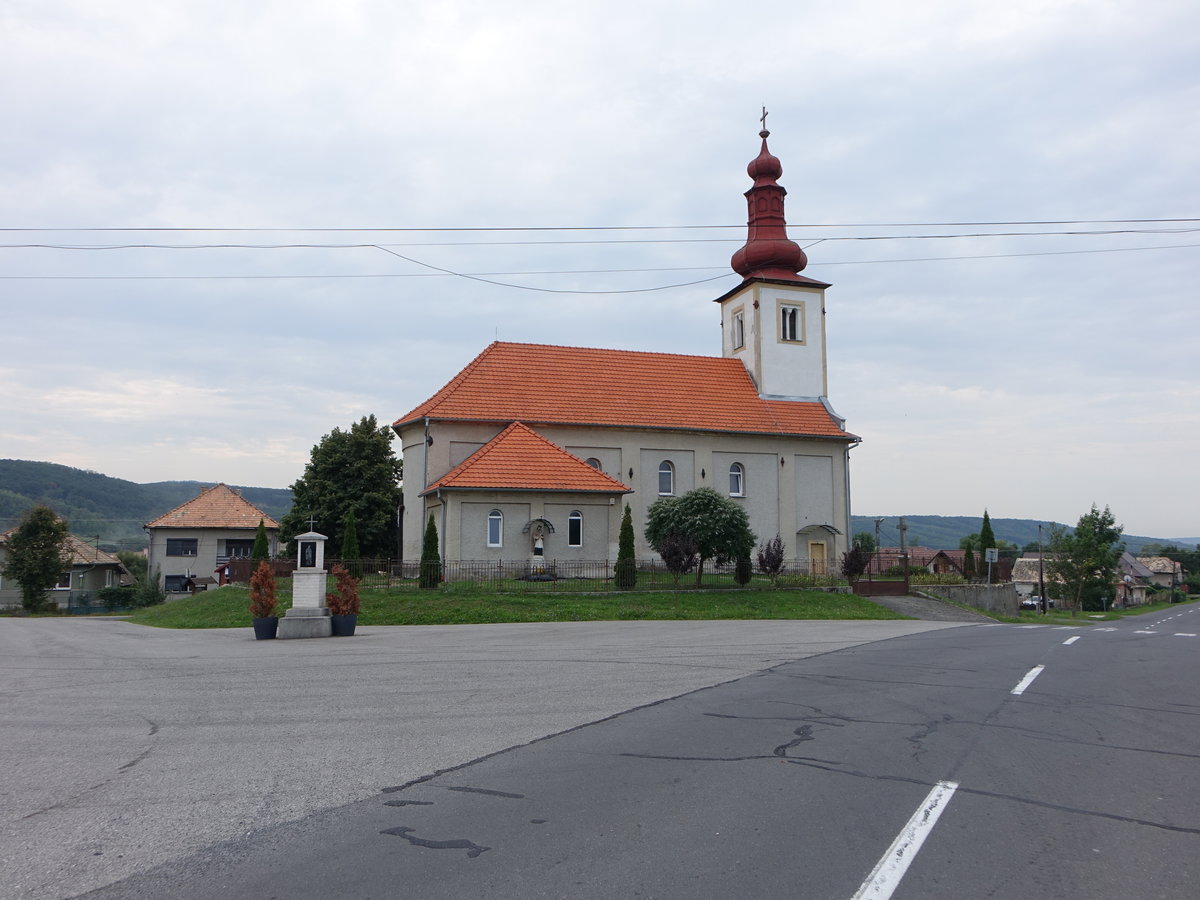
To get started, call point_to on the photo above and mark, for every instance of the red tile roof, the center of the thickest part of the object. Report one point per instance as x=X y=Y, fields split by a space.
x=519 y=458
x=546 y=384
x=216 y=507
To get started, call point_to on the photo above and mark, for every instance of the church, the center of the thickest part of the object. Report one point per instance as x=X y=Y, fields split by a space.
x=510 y=466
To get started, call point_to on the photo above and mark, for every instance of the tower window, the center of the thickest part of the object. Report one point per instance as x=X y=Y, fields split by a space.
x=739 y=330
x=791 y=323
x=666 y=478
x=495 y=529
x=737 y=480
x=575 y=529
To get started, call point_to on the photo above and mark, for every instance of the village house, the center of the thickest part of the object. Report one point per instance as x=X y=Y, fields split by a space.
x=192 y=544
x=90 y=570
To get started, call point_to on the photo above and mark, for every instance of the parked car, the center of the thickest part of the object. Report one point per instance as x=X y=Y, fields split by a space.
x=1035 y=602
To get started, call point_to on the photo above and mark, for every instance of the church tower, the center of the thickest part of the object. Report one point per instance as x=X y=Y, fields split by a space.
x=774 y=321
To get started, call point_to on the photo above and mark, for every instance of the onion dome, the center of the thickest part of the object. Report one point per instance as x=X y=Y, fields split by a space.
x=767 y=253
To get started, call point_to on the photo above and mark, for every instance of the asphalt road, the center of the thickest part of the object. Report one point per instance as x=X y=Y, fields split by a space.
x=979 y=761
x=123 y=748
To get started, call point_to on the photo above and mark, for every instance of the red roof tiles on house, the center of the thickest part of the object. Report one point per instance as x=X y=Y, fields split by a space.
x=216 y=507
x=520 y=459
x=545 y=384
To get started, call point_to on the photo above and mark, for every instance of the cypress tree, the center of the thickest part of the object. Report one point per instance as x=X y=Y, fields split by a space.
x=431 y=559
x=349 y=538
x=262 y=547
x=625 y=574
x=987 y=537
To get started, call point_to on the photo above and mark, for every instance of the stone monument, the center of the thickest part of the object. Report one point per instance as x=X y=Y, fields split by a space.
x=309 y=616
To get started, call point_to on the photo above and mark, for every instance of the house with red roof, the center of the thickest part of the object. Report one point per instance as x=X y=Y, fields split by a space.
x=539 y=447
x=191 y=544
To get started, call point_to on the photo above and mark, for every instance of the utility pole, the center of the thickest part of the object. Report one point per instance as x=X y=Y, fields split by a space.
x=1041 y=572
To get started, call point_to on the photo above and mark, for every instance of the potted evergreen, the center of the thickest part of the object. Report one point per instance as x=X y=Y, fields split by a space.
x=262 y=602
x=343 y=602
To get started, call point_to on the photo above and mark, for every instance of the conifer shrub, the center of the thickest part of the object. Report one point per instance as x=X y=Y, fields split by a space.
x=343 y=600
x=431 y=558
x=743 y=569
x=625 y=574
x=262 y=592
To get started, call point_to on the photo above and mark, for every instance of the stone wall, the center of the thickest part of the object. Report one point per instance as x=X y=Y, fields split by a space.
x=994 y=598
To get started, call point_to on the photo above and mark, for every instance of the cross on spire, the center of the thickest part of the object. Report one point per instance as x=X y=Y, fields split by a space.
x=763 y=118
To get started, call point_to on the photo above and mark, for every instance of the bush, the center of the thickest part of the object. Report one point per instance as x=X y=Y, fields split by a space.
x=770 y=558
x=262 y=592
x=343 y=600
x=124 y=597
x=149 y=591
x=678 y=554
x=742 y=570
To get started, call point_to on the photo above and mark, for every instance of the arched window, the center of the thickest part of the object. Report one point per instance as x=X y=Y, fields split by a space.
x=575 y=529
x=594 y=463
x=666 y=478
x=495 y=533
x=737 y=480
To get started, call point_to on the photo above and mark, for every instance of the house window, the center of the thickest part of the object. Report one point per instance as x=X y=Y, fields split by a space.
x=666 y=478
x=791 y=323
x=594 y=463
x=575 y=529
x=739 y=330
x=495 y=534
x=182 y=546
x=737 y=480
x=239 y=549
x=64 y=582
x=174 y=584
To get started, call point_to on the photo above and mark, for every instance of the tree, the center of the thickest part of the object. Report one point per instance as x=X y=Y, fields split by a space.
x=719 y=527
x=431 y=558
x=352 y=471
x=350 y=537
x=987 y=537
x=854 y=563
x=866 y=540
x=135 y=563
x=262 y=547
x=770 y=558
x=1083 y=563
x=37 y=555
x=625 y=573
x=678 y=552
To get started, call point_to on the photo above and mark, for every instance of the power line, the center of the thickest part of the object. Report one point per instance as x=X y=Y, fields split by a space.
x=442 y=273
x=535 y=228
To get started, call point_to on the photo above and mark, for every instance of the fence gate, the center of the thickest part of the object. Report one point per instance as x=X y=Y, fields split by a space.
x=887 y=573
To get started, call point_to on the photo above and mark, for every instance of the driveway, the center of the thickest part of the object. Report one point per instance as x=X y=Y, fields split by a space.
x=928 y=610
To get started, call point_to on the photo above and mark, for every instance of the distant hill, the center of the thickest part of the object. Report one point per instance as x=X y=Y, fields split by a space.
x=112 y=508
x=944 y=532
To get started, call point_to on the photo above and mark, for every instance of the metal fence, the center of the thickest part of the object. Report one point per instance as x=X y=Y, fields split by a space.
x=555 y=575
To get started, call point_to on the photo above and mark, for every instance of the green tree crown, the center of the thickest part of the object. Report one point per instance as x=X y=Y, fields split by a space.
x=717 y=525
x=37 y=555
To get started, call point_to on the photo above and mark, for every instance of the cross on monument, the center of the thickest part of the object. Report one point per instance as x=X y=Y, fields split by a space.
x=311 y=521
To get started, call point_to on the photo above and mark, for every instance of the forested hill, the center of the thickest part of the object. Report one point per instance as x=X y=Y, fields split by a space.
x=944 y=532
x=111 y=508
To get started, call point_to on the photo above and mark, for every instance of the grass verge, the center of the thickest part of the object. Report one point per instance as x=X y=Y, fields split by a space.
x=229 y=607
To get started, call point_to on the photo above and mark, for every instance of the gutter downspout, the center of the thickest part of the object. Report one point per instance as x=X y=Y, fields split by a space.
x=846 y=474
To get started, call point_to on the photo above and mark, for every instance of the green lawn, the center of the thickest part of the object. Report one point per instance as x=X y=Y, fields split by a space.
x=1065 y=617
x=229 y=607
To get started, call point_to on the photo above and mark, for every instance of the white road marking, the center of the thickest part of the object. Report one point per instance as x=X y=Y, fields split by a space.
x=1104 y=629
x=1027 y=680
x=1184 y=634
x=1145 y=632
x=885 y=877
x=1071 y=640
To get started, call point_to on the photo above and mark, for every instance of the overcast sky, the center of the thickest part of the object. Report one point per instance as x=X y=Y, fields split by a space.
x=1032 y=374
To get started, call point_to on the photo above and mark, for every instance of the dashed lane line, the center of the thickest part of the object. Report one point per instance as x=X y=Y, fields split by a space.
x=1027 y=680
x=885 y=877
